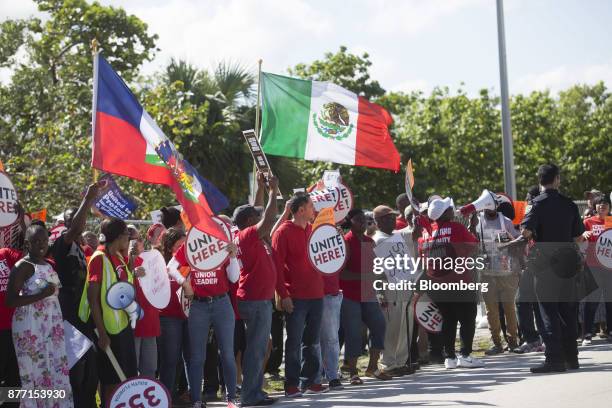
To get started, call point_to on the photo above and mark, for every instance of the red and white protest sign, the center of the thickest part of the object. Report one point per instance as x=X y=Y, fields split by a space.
x=140 y=392
x=427 y=313
x=603 y=248
x=341 y=195
x=155 y=284
x=8 y=201
x=326 y=198
x=205 y=252
x=326 y=249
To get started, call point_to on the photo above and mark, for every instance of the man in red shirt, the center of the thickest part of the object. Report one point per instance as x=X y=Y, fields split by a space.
x=594 y=226
x=449 y=241
x=256 y=289
x=9 y=371
x=300 y=287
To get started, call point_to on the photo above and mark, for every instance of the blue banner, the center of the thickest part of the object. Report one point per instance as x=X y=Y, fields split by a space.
x=114 y=203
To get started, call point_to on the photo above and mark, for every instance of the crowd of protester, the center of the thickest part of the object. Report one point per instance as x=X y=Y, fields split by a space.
x=267 y=305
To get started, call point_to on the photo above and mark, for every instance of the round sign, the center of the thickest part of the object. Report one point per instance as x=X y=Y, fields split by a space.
x=326 y=249
x=603 y=248
x=345 y=203
x=8 y=201
x=205 y=252
x=324 y=198
x=341 y=195
x=140 y=392
x=427 y=313
x=155 y=284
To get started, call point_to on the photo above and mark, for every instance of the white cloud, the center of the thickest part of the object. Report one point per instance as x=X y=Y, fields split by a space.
x=17 y=9
x=413 y=16
x=412 y=85
x=563 y=77
x=244 y=31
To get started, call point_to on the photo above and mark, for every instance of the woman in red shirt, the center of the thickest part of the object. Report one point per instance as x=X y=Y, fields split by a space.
x=359 y=303
x=116 y=244
x=594 y=226
x=211 y=306
x=174 y=338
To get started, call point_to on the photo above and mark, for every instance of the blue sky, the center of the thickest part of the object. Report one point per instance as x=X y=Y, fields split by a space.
x=413 y=44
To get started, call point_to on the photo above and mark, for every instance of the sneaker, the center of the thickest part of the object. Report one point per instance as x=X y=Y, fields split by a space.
x=494 y=350
x=262 y=403
x=293 y=392
x=469 y=362
x=527 y=347
x=450 y=363
x=335 y=385
x=198 y=404
x=315 y=389
x=587 y=341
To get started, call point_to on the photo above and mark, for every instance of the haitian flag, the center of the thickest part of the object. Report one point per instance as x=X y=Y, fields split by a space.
x=128 y=142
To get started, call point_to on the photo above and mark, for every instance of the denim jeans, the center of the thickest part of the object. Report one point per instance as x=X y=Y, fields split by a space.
x=220 y=315
x=257 y=317
x=329 y=344
x=173 y=342
x=352 y=315
x=146 y=355
x=302 y=354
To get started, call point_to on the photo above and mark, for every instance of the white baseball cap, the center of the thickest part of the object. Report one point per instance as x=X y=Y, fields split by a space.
x=438 y=206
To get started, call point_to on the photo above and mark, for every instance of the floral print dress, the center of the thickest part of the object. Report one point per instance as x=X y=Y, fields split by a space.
x=38 y=335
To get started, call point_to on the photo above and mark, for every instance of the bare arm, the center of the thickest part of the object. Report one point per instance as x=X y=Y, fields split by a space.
x=80 y=217
x=261 y=187
x=17 y=278
x=264 y=227
x=284 y=217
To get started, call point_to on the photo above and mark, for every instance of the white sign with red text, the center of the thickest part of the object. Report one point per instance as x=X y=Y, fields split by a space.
x=603 y=248
x=8 y=201
x=140 y=392
x=205 y=252
x=155 y=283
x=326 y=249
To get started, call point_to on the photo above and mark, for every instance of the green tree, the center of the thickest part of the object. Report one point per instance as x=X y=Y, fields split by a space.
x=45 y=109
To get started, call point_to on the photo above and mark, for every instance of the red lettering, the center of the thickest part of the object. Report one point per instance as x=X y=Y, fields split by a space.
x=151 y=399
x=133 y=403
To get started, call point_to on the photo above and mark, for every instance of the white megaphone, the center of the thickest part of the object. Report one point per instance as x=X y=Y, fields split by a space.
x=486 y=201
x=122 y=296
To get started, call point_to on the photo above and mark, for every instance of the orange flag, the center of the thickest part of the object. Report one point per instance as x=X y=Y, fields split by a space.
x=39 y=215
x=519 y=211
x=326 y=216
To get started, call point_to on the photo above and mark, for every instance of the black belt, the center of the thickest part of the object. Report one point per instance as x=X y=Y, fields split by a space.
x=209 y=299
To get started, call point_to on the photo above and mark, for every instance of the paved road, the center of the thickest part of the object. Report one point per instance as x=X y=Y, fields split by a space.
x=504 y=382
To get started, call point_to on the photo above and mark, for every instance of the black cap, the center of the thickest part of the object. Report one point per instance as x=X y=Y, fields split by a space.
x=243 y=212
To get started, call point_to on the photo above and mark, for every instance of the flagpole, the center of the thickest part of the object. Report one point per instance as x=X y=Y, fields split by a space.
x=257 y=109
x=94 y=51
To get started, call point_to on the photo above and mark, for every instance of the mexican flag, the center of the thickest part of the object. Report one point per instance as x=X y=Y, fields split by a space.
x=315 y=120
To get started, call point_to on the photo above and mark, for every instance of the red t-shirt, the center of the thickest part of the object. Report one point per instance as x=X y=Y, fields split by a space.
x=400 y=222
x=297 y=278
x=597 y=225
x=211 y=283
x=354 y=281
x=174 y=308
x=96 y=267
x=8 y=259
x=148 y=326
x=257 y=270
x=448 y=241
x=232 y=294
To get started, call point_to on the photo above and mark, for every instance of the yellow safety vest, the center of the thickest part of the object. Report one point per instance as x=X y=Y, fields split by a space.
x=114 y=320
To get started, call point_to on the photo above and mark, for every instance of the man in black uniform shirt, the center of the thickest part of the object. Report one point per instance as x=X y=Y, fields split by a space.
x=71 y=267
x=554 y=222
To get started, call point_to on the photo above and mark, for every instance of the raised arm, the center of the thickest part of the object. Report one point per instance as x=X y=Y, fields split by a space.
x=264 y=226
